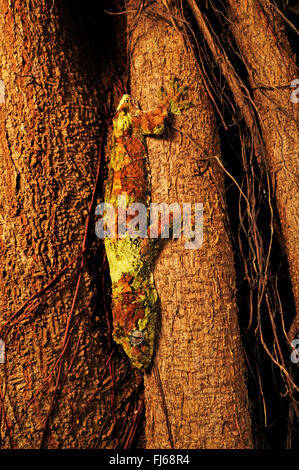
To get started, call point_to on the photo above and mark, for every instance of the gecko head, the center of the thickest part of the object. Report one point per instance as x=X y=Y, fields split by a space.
x=137 y=344
x=134 y=307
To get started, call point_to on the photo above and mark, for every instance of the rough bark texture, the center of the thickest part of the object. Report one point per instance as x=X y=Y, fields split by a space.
x=49 y=151
x=257 y=27
x=199 y=352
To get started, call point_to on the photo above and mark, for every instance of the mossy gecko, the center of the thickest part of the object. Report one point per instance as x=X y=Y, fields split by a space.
x=134 y=297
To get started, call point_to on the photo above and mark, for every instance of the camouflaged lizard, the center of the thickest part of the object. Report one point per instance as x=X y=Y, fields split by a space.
x=134 y=297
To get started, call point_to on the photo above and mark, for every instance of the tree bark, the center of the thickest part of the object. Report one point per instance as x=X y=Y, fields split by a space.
x=49 y=140
x=258 y=27
x=196 y=394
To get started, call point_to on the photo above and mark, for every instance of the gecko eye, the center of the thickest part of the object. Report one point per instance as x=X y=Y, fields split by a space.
x=136 y=337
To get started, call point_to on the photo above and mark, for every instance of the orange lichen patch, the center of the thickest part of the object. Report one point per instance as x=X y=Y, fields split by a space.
x=134 y=181
x=149 y=121
x=131 y=183
x=127 y=306
x=117 y=184
x=127 y=278
x=134 y=191
x=138 y=352
x=117 y=310
x=135 y=170
x=126 y=312
x=135 y=147
x=126 y=289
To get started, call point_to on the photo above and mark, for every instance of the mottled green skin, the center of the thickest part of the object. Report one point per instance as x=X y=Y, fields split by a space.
x=134 y=297
x=134 y=300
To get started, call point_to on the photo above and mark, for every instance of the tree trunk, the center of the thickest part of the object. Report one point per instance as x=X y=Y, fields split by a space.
x=49 y=140
x=257 y=27
x=196 y=394
x=62 y=383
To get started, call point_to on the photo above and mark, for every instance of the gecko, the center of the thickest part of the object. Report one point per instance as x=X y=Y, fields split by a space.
x=134 y=296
